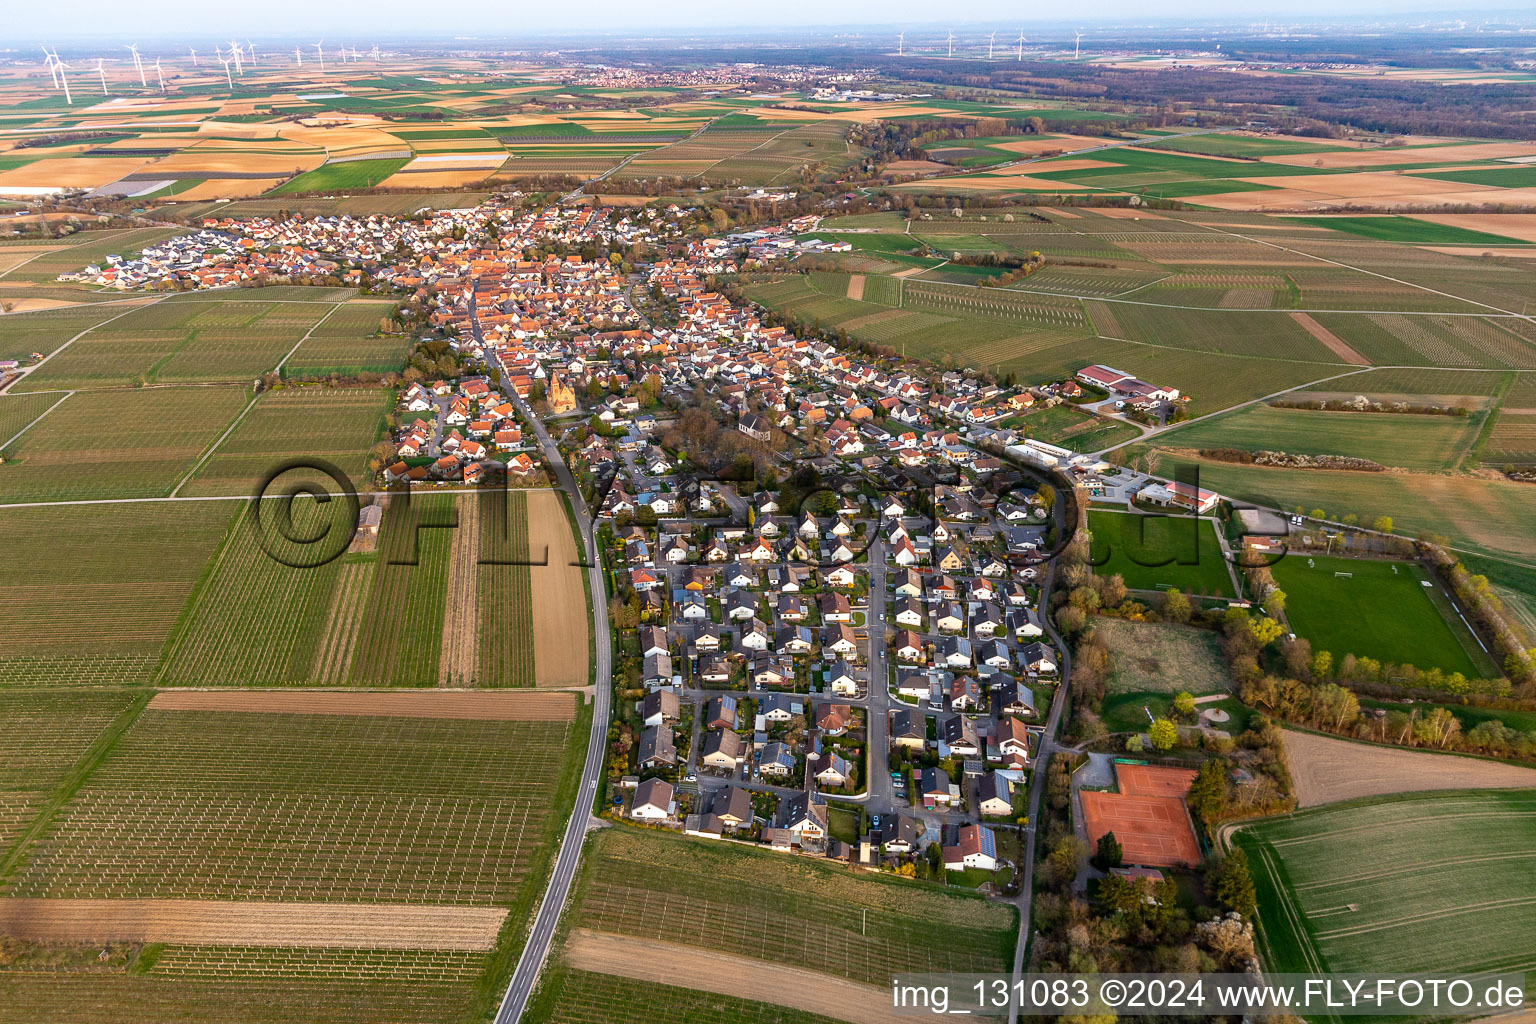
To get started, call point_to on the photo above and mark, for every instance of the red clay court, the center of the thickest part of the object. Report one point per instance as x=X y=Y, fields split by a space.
x=1147 y=816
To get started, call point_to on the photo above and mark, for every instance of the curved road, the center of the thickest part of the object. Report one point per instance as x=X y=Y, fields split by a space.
x=526 y=975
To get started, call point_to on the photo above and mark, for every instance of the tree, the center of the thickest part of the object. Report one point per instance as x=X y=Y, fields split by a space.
x=1163 y=733
x=1207 y=794
x=1382 y=524
x=1265 y=630
x=1066 y=858
x=1184 y=703
x=1274 y=603
x=1176 y=606
x=1109 y=854
x=1234 y=883
x=1322 y=664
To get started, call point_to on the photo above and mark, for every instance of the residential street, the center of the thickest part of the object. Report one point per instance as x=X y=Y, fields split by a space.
x=567 y=860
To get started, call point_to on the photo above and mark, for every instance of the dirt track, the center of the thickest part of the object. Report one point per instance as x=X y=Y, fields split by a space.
x=1335 y=344
x=461 y=619
x=1327 y=770
x=745 y=978
x=488 y=705
x=559 y=595
x=241 y=923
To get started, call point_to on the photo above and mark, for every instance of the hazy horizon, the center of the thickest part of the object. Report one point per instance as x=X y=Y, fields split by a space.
x=481 y=21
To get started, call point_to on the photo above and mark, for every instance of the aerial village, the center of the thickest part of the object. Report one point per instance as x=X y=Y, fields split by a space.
x=846 y=640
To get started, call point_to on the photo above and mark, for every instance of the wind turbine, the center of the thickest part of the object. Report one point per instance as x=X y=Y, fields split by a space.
x=901 y=44
x=1022 y=41
x=51 y=60
x=375 y=53
x=103 y=73
x=951 y=44
x=63 y=78
x=234 y=48
x=227 y=76
x=252 y=47
x=194 y=56
x=319 y=49
x=1077 y=45
x=991 y=39
x=160 y=75
x=133 y=49
x=298 y=56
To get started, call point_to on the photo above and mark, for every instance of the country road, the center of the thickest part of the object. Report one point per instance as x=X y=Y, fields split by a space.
x=536 y=951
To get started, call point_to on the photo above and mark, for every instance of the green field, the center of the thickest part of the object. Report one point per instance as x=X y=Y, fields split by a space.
x=1406 y=229
x=1414 y=884
x=1423 y=443
x=346 y=174
x=1378 y=613
x=1187 y=547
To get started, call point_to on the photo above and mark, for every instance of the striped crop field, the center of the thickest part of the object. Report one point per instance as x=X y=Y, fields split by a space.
x=119 y=580
x=351 y=808
x=333 y=424
x=1448 y=885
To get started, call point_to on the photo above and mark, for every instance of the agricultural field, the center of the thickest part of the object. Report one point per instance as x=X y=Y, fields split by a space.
x=219 y=805
x=1426 y=444
x=1381 y=611
x=1162 y=658
x=1406 y=229
x=1447 y=886
x=256 y=620
x=347 y=343
x=192 y=340
x=120 y=581
x=451 y=820
x=586 y=997
x=117 y=444
x=334 y=424
x=811 y=916
x=1159 y=552
x=43 y=736
x=18 y=411
x=342 y=175
x=43 y=331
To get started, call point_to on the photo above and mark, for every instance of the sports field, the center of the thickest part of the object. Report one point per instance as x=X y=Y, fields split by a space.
x=1147 y=815
x=1158 y=552
x=1440 y=882
x=1380 y=611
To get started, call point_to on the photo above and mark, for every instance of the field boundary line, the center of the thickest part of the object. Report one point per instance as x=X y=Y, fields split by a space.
x=9 y=441
x=213 y=449
x=82 y=769
x=1372 y=273
x=312 y=328
x=44 y=361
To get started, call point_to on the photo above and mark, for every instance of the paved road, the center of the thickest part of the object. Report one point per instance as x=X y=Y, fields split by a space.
x=1024 y=900
x=526 y=975
x=882 y=794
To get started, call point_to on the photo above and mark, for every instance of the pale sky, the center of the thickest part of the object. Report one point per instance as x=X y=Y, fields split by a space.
x=26 y=24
